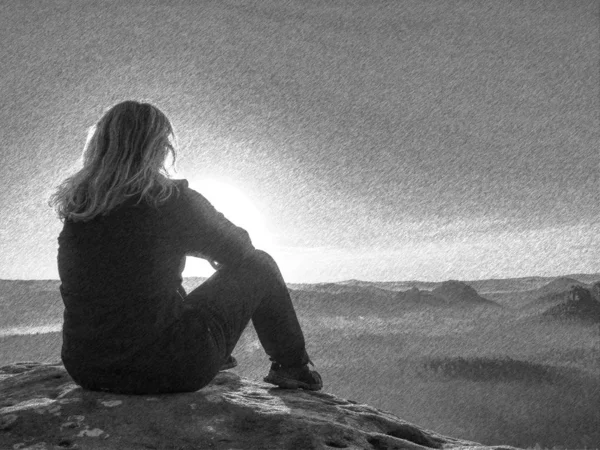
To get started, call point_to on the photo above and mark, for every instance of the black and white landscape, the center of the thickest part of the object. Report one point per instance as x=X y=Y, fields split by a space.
x=507 y=360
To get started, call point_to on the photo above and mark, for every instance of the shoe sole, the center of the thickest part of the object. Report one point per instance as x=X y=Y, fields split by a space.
x=287 y=383
x=229 y=365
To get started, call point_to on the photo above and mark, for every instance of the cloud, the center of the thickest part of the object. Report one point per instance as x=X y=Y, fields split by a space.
x=499 y=253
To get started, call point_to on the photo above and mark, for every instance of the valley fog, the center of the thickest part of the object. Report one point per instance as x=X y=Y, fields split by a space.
x=514 y=361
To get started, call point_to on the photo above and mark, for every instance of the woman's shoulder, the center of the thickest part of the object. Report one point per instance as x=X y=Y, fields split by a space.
x=175 y=190
x=181 y=182
x=181 y=186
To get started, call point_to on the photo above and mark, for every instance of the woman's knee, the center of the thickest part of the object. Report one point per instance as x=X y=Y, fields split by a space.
x=263 y=263
x=261 y=257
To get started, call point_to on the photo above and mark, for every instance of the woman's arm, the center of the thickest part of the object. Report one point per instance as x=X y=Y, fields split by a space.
x=210 y=235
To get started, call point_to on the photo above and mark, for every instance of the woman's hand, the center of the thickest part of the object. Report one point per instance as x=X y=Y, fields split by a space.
x=215 y=265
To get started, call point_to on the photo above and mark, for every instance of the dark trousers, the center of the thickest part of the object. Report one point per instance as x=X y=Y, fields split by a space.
x=213 y=318
x=253 y=290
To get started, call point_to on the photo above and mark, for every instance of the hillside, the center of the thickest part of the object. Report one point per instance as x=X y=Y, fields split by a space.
x=29 y=303
x=420 y=298
x=580 y=305
x=457 y=293
x=562 y=284
x=549 y=295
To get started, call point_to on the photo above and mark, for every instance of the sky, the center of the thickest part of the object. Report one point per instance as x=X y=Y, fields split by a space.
x=373 y=140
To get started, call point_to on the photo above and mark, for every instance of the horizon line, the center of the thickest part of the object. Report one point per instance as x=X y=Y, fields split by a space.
x=572 y=275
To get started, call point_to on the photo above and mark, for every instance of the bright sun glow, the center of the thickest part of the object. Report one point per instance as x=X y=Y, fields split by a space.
x=235 y=206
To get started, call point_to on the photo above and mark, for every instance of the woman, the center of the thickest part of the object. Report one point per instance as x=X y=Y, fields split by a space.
x=129 y=326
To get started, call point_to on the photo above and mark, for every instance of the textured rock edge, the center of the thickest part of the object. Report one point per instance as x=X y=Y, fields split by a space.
x=42 y=408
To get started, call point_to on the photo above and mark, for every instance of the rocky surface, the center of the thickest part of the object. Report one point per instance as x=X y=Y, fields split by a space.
x=457 y=293
x=595 y=290
x=420 y=298
x=42 y=408
x=559 y=285
x=581 y=304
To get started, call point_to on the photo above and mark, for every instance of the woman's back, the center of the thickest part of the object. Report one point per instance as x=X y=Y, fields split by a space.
x=132 y=251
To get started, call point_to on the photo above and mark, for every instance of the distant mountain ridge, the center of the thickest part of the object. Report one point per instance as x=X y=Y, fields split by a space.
x=459 y=293
x=581 y=304
x=551 y=294
x=481 y=286
x=561 y=284
x=30 y=304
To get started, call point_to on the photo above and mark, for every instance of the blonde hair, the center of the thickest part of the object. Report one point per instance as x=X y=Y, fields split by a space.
x=124 y=156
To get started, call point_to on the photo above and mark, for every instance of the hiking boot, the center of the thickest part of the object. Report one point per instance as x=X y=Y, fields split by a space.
x=294 y=377
x=229 y=363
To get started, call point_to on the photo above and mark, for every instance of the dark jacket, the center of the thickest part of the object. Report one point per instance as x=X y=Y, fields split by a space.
x=121 y=277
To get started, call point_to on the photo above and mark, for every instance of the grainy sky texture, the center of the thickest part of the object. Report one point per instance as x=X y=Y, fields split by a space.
x=380 y=140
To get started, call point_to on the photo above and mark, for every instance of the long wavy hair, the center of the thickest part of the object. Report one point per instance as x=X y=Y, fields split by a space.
x=125 y=156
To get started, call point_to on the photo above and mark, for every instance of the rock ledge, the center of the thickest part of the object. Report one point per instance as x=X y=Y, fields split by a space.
x=41 y=408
